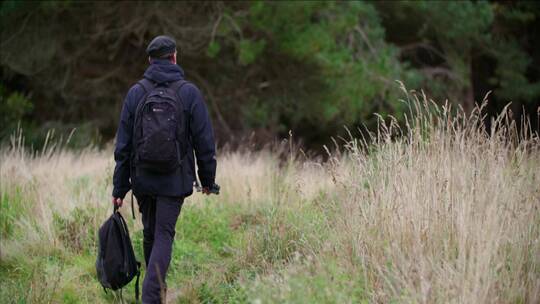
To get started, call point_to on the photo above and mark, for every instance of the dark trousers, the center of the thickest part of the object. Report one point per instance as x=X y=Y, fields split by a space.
x=159 y=216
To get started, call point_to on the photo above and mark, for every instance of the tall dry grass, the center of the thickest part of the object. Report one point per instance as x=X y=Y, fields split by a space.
x=447 y=213
x=438 y=211
x=38 y=185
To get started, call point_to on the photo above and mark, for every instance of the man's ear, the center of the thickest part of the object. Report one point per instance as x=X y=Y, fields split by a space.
x=174 y=58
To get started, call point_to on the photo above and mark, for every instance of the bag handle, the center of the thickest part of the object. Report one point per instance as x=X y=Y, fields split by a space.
x=116 y=208
x=132 y=209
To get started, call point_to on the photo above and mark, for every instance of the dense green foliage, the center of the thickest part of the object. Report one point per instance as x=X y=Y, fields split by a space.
x=267 y=67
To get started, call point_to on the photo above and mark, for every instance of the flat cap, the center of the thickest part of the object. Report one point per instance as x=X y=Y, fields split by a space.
x=161 y=45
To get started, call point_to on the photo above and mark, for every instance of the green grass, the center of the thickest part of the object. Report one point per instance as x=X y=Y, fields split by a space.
x=219 y=249
x=11 y=208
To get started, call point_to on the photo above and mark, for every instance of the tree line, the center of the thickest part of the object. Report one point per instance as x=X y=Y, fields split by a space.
x=265 y=67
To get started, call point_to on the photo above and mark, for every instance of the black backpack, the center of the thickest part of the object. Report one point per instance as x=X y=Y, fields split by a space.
x=159 y=128
x=116 y=264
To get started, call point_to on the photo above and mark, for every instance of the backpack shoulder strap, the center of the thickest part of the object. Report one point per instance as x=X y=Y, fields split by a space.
x=177 y=85
x=147 y=85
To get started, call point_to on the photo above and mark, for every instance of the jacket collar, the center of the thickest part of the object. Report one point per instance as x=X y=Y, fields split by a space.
x=162 y=70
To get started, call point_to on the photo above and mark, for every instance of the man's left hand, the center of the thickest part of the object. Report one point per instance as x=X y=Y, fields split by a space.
x=117 y=201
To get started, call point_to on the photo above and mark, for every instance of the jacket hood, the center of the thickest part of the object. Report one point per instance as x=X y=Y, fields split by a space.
x=162 y=70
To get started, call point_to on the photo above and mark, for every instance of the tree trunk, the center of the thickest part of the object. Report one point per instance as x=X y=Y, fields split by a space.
x=468 y=94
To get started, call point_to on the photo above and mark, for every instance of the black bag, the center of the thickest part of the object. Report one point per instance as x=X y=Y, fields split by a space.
x=159 y=137
x=116 y=264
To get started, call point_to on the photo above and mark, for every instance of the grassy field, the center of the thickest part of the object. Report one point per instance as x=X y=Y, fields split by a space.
x=439 y=211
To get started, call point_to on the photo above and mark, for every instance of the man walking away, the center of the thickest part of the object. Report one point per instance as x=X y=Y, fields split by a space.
x=163 y=121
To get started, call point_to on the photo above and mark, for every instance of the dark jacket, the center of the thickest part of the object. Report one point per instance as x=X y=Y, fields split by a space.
x=179 y=183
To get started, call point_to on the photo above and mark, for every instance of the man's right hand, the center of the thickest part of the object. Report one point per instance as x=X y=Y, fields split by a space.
x=211 y=190
x=117 y=201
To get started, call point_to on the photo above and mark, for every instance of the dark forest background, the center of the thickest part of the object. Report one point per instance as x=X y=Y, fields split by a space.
x=265 y=67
